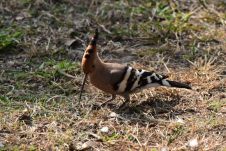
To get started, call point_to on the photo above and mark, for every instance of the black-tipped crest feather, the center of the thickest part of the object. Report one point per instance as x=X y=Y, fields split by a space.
x=95 y=37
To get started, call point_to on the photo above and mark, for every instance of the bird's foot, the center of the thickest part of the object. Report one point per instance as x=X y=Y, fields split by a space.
x=123 y=106
x=109 y=100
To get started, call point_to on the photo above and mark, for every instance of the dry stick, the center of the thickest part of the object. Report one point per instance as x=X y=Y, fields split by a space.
x=66 y=74
x=83 y=83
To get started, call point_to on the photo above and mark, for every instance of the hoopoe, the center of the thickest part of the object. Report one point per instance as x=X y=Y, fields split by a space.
x=119 y=79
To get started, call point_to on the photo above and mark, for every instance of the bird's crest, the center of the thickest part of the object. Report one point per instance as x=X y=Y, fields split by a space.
x=90 y=54
x=94 y=38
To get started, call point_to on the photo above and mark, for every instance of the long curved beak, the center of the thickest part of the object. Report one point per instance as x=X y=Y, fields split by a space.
x=81 y=90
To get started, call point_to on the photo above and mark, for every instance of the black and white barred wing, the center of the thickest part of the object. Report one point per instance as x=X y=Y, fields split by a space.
x=135 y=80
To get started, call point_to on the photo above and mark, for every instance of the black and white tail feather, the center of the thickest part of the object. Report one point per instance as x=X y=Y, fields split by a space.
x=134 y=80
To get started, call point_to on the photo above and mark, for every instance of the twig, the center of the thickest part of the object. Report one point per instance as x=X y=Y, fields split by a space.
x=47 y=46
x=95 y=136
x=166 y=67
x=66 y=74
x=104 y=29
x=56 y=96
x=13 y=88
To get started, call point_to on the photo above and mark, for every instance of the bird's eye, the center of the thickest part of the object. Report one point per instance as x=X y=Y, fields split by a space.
x=87 y=56
x=90 y=50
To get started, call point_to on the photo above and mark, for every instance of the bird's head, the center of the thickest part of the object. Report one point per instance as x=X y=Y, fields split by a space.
x=90 y=55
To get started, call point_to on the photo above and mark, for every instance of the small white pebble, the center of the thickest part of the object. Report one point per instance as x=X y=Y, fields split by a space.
x=104 y=129
x=193 y=143
x=164 y=149
x=223 y=109
x=180 y=120
x=1 y=145
x=11 y=63
x=85 y=146
x=113 y=114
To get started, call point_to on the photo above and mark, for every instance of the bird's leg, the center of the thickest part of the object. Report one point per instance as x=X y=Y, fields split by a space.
x=113 y=96
x=127 y=99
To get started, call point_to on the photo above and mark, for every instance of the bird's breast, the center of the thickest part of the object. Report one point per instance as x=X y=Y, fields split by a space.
x=102 y=81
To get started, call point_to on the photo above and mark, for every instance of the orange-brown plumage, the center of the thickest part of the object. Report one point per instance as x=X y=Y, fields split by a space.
x=102 y=75
x=88 y=59
x=89 y=55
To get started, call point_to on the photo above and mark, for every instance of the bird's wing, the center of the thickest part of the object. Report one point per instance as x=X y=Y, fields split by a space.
x=137 y=79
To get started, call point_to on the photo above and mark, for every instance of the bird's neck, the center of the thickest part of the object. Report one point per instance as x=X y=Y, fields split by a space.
x=98 y=63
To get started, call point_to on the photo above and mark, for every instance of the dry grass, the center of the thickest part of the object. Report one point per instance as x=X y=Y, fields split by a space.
x=41 y=45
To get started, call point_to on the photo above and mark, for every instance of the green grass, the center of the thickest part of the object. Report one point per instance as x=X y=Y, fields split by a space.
x=216 y=105
x=4 y=100
x=152 y=52
x=177 y=131
x=9 y=38
x=111 y=137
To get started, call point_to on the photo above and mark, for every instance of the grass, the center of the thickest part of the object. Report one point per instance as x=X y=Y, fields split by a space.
x=216 y=105
x=40 y=75
x=9 y=38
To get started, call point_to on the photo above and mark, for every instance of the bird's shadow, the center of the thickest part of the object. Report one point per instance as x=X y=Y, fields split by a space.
x=152 y=107
x=156 y=107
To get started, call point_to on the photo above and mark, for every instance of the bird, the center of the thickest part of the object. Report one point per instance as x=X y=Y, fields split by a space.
x=119 y=79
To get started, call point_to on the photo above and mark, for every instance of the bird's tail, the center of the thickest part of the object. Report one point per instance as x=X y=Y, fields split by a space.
x=147 y=79
x=175 y=84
